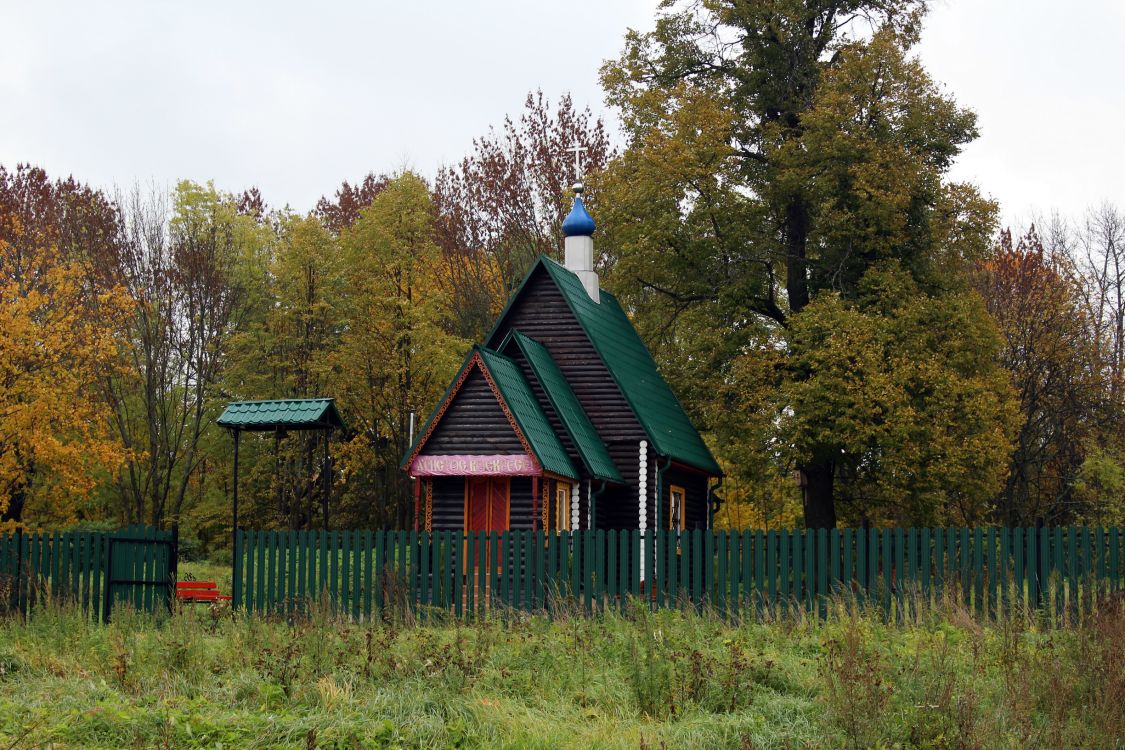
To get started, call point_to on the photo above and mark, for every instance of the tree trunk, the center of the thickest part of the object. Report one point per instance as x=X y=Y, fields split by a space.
x=820 y=508
x=14 y=511
x=796 y=239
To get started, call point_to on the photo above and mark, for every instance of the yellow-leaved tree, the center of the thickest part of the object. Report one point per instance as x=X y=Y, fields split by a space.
x=57 y=341
x=397 y=351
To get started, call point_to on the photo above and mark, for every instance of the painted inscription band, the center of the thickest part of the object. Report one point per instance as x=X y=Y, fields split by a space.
x=520 y=465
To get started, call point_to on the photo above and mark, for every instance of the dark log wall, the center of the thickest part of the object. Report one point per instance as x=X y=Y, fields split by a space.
x=449 y=503
x=542 y=313
x=473 y=424
x=520 y=512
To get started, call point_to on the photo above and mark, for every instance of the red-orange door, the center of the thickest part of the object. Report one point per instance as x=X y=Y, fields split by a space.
x=488 y=506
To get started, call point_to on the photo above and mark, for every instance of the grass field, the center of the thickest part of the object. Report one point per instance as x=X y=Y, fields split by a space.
x=204 y=679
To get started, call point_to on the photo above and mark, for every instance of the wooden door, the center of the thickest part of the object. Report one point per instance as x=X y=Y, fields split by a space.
x=488 y=508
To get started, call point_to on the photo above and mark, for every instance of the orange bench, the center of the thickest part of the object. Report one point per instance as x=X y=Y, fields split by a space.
x=199 y=591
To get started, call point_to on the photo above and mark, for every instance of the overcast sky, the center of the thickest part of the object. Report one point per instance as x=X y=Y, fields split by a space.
x=295 y=97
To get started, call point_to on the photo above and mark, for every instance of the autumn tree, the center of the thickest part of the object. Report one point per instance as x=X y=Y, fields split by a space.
x=342 y=210
x=503 y=204
x=777 y=151
x=57 y=339
x=1051 y=350
x=182 y=266
x=77 y=221
x=61 y=304
x=396 y=351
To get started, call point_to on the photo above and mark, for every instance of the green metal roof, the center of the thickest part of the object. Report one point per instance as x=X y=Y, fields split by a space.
x=586 y=439
x=283 y=414
x=529 y=416
x=611 y=332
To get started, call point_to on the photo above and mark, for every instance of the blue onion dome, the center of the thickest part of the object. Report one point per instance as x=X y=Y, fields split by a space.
x=578 y=222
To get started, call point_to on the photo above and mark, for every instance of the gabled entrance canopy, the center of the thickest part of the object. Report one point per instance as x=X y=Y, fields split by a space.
x=591 y=450
x=542 y=451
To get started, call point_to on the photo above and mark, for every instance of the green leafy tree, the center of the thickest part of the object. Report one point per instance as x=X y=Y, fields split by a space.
x=901 y=391
x=396 y=354
x=777 y=151
x=285 y=350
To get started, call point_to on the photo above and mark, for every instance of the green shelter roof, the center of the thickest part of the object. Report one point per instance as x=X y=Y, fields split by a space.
x=283 y=414
x=586 y=439
x=617 y=342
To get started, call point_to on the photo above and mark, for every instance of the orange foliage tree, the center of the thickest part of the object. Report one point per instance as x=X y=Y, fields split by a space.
x=57 y=341
x=1051 y=349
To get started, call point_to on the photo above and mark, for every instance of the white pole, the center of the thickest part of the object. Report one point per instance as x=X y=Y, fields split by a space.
x=642 y=499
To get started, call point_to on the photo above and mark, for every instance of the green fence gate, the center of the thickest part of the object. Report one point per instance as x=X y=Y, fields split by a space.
x=92 y=570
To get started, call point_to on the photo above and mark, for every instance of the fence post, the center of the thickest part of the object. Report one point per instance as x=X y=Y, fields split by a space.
x=236 y=572
x=108 y=580
x=173 y=565
x=17 y=590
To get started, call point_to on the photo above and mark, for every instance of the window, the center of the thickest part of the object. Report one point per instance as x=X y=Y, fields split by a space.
x=562 y=506
x=677 y=508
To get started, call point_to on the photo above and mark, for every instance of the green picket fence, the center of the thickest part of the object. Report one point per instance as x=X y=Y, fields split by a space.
x=94 y=570
x=1060 y=572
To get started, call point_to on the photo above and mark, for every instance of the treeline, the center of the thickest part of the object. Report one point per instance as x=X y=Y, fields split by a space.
x=854 y=334
x=131 y=319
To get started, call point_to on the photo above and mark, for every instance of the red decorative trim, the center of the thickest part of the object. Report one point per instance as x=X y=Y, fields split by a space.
x=546 y=505
x=535 y=503
x=429 y=505
x=480 y=465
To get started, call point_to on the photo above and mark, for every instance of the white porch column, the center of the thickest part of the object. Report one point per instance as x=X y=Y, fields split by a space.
x=574 y=517
x=642 y=499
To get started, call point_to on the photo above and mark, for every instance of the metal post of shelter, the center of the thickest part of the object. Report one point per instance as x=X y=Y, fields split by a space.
x=326 y=479
x=236 y=563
